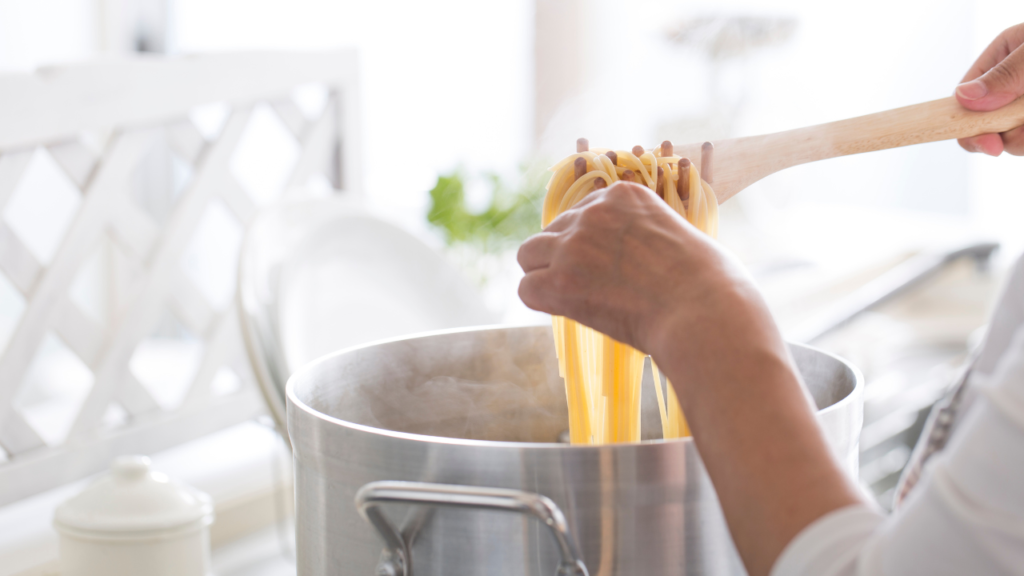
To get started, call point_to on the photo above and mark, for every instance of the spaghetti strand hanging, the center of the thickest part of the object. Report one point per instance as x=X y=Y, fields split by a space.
x=603 y=376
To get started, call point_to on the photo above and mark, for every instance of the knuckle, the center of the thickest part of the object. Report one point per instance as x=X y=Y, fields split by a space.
x=617 y=188
x=523 y=251
x=1008 y=75
x=575 y=248
x=622 y=190
x=1014 y=33
x=531 y=250
x=604 y=209
x=564 y=282
x=599 y=222
x=1002 y=75
x=594 y=215
x=527 y=293
x=539 y=293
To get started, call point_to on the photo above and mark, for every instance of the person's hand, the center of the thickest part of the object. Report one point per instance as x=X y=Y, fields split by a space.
x=995 y=80
x=622 y=262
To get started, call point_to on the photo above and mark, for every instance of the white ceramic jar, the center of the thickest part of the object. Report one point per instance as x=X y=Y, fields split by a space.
x=134 y=521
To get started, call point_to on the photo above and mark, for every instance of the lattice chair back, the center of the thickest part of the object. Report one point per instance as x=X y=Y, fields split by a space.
x=125 y=189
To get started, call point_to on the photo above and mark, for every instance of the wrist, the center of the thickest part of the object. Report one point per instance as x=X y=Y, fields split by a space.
x=729 y=330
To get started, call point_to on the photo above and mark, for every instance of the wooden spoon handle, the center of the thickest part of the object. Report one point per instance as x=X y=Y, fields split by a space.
x=943 y=119
x=751 y=159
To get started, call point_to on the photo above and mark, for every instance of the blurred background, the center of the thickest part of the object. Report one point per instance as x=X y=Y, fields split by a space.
x=461 y=107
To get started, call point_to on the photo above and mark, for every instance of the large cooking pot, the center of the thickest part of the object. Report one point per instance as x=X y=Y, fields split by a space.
x=439 y=454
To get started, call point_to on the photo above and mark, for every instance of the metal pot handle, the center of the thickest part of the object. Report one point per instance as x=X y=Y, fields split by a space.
x=395 y=560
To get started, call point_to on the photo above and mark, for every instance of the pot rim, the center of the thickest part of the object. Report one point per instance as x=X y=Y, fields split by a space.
x=293 y=400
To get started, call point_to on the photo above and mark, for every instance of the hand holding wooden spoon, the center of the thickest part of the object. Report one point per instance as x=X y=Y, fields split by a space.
x=995 y=80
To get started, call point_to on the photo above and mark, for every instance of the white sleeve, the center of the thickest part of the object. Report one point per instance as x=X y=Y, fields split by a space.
x=965 y=517
x=830 y=545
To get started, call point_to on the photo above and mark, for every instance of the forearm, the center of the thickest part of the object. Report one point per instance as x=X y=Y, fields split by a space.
x=753 y=423
x=627 y=266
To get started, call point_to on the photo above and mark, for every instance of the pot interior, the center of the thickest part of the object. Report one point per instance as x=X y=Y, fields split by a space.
x=496 y=384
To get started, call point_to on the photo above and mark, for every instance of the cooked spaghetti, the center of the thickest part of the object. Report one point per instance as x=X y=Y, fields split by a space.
x=602 y=376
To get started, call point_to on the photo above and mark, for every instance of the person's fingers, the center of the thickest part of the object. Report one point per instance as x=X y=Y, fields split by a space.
x=566 y=219
x=991 y=144
x=536 y=290
x=594 y=196
x=1013 y=141
x=1007 y=41
x=995 y=79
x=563 y=221
x=1001 y=84
x=536 y=251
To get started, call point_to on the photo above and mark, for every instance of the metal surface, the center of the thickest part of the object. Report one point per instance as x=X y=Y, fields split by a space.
x=888 y=286
x=906 y=375
x=395 y=560
x=484 y=408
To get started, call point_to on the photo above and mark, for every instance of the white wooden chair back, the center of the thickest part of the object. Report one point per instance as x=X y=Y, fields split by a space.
x=96 y=122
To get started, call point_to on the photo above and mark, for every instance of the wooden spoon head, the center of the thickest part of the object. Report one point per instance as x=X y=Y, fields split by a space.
x=734 y=168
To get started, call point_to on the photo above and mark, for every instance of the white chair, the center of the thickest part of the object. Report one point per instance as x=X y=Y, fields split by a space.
x=85 y=134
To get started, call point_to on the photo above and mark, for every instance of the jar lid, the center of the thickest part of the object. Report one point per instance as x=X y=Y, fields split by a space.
x=132 y=497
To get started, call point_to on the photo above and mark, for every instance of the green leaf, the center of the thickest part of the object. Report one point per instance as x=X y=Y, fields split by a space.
x=511 y=217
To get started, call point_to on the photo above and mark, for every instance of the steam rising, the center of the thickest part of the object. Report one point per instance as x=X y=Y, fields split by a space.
x=457 y=408
x=476 y=386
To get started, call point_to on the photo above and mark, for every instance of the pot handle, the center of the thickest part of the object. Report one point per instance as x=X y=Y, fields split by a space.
x=396 y=556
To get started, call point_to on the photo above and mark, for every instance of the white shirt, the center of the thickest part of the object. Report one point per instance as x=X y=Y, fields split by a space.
x=966 y=515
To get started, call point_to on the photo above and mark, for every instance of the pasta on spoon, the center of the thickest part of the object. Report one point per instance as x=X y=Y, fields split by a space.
x=603 y=376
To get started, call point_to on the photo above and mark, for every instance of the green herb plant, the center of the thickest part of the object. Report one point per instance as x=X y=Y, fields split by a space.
x=512 y=216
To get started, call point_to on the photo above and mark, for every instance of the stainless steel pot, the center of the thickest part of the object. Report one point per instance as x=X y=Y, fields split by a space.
x=438 y=455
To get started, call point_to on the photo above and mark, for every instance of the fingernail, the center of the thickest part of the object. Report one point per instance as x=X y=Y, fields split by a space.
x=973 y=90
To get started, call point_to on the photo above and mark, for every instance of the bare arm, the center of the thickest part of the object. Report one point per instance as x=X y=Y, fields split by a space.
x=622 y=262
x=754 y=425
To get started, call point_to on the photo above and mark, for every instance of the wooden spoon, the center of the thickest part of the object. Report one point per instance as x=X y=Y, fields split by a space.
x=739 y=162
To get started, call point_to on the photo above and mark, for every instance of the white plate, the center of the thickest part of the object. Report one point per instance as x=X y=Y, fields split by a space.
x=318 y=276
x=358 y=279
